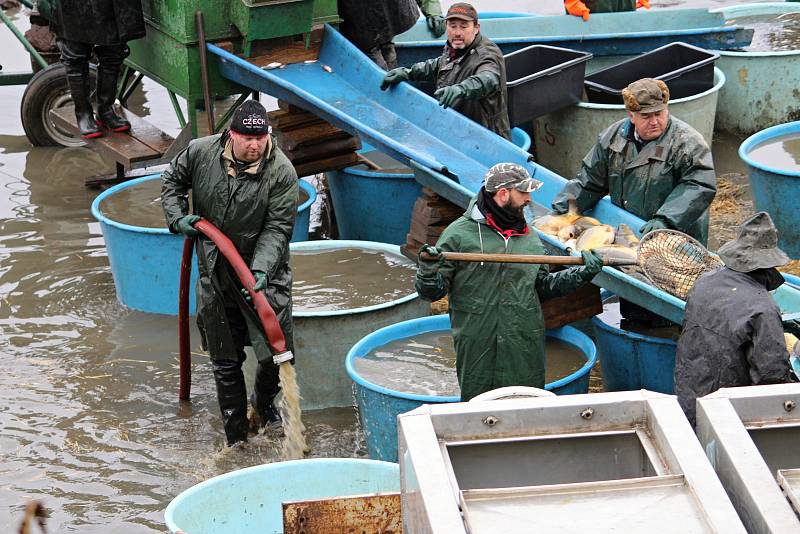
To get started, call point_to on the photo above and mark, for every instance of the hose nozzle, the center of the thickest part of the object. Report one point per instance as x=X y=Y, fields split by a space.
x=282 y=357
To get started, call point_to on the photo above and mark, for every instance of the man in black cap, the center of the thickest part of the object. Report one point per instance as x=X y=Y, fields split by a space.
x=732 y=332
x=101 y=28
x=242 y=183
x=470 y=74
x=495 y=308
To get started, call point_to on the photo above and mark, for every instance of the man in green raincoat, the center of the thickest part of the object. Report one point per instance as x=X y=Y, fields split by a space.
x=470 y=75
x=495 y=308
x=242 y=183
x=653 y=165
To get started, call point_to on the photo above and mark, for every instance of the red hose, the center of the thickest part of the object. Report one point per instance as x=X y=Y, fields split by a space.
x=269 y=321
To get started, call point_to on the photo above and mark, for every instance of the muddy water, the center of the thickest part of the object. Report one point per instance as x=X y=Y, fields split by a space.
x=611 y=316
x=772 y=33
x=781 y=153
x=385 y=162
x=90 y=424
x=425 y=364
x=348 y=278
x=140 y=205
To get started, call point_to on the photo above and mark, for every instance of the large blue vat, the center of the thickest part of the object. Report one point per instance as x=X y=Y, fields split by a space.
x=376 y=205
x=145 y=262
x=249 y=500
x=379 y=406
x=775 y=190
x=631 y=361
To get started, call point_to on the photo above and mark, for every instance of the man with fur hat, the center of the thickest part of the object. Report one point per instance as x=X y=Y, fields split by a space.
x=732 y=332
x=495 y=308
x=653 y=165
x=242 y=183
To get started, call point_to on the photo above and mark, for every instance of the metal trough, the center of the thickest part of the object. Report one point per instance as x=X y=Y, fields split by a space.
x=751 y=436
x=621 y=462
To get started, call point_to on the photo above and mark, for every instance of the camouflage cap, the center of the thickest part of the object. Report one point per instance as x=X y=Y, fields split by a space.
x=646 y=95
x=755 y=246
x=508 y=176
x=463 y=11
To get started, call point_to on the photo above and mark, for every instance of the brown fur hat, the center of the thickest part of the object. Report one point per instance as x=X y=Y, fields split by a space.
x=646 y=95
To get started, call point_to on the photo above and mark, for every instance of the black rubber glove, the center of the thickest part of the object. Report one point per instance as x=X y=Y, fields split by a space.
x=184 y=225
x=429 y=267
x=393 y=77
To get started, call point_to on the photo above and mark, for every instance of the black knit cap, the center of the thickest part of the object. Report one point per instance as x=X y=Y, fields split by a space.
x=250 y=119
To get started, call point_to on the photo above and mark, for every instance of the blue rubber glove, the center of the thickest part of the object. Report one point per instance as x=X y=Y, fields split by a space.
x=651 y=225
x=447 y=96
x=429 y=267
x=592 y=264
x=393 y=77
x=184 y=225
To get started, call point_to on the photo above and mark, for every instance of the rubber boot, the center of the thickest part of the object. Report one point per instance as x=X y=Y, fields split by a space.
x=106 y=96
x=266 y=388
x=232 y=397
x=78 y=81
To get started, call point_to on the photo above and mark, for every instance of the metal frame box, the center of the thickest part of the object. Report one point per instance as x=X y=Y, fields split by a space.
x=627 y=461
x=751 y=435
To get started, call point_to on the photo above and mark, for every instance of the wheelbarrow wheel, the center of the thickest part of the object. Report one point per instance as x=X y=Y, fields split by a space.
x=46 y=91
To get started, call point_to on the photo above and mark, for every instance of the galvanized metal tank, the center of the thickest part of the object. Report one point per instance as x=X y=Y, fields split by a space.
x=750 y=435
x=322 y=339
x=632 y=361
x=762 y=87
x=249 y=500
x=378 y=406
x=563 y=138
x=360 y=196
x=145 y=262
x=606 y=462
x=775 y=190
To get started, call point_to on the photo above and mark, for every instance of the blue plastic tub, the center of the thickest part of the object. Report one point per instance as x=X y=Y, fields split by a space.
x=379 y=406
x=249 y=500
x=775 y=190
x=632 y=361
x=374 y=205
x=145 y=262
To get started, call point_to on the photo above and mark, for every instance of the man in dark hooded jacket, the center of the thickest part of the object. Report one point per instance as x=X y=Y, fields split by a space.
x=470 y=75
x=242 y=183
x=102 y=28
x=732 y=332
x=372 y=24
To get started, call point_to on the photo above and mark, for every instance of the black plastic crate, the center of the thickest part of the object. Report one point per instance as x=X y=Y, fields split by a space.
x=542 y=79
x=687 y=70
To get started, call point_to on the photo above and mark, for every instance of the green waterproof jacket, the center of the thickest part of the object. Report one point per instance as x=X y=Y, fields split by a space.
x=482 y=70
x=671 y=179
x=495 y=308
x=256 y=211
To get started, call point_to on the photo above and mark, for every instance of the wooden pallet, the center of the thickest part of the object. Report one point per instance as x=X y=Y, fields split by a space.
x=144 y=142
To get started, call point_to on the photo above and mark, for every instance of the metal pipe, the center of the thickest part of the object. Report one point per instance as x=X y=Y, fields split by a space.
x=177 y=107
x=22 y=39
x=201 y=38
x=520 y=258
x=184 y=353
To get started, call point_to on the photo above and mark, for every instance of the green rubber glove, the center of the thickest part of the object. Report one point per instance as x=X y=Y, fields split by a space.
x=651 y=225
x=259 y=285
x=393 y=77
x=184 y=225
x=447 y=96
x=429 y=267
x=436 y=24
x=592 y=264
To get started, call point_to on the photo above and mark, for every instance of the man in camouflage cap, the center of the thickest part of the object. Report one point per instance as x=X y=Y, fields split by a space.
x=495 y=308
x=653 y=165
x=732 y=333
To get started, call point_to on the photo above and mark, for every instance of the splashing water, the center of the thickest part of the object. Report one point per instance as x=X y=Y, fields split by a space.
x=294 y=444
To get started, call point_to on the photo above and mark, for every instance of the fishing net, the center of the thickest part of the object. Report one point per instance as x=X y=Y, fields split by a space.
x=672 y=261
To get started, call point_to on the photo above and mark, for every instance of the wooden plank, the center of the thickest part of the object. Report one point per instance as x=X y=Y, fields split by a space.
x=581 y=304
x=284 y=50
x=322 y=150
x=288 y=120
x=146 y=133
x=119 y=147
x=311 y=135
x=376 y=514
x=329 y=164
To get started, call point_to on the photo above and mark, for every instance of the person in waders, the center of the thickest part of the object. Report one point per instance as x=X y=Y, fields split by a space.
x=732 y=332
x=372 y=24
x=582 y=8
x=495 y=308
x=241 y=182
x=101 y=28
x=470 y=75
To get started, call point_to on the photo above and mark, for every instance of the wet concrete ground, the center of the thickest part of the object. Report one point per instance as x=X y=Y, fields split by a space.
x=89 y=418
